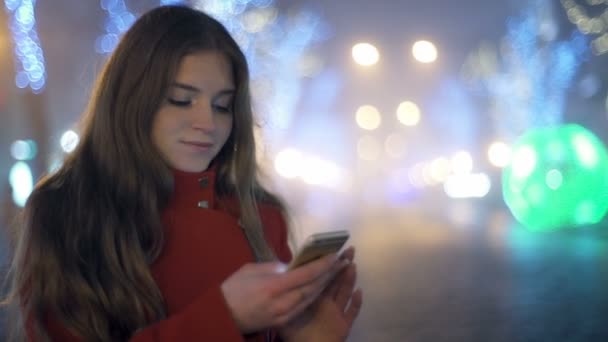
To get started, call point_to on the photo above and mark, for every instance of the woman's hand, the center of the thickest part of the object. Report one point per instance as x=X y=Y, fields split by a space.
x=331 y=317
x=265 y=295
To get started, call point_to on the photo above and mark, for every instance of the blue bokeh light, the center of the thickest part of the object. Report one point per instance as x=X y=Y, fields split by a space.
x=172 y=2
x=275 y=45
x=30 y=62
x=118 y=21
x=528 y=88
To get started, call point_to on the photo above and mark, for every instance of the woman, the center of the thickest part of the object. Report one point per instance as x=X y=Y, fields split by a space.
x=155 y=228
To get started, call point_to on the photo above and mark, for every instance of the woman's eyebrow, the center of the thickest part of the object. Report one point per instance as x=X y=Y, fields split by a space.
x=222 y=93
x=192 y=88
x=185 y=87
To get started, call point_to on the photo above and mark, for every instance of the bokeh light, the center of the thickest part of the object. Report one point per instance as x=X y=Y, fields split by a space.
x=440 y=169
x=427 y=175
x=368 y=148
x=365 y=54
x=118 y=21
x=288 y=163
x=31 y=70
x=462 y=162
x=278 y=47
x=557 y=178
x=22 y=182
x=368 y=117
x=587 y=24
x=474 y=185
x=499 y=154
x=554 y=179
x=394 y=145
x=69 y=141
x=317 y=171
x=256 y=20
x=24 y=149
x=415 y=175
x=310 y=65
x=527 y=78
x=424 y=51
x=408 y=113
x=524 y=161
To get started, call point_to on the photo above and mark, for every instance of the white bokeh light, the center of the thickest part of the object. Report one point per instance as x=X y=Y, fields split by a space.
x=524 y=161
x=365 y=54
x=475 y=185
x=462 y=163
x=317 y=171
x=499 y=154
x=69 y=141
x=424 y=51
x=288 y=163
x=585 y=151
x=368 y=117
x=408 y=113
x=440 y=169
x=22 y=182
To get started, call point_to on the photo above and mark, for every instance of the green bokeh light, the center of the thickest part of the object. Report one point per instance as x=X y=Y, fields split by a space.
x=558 y=178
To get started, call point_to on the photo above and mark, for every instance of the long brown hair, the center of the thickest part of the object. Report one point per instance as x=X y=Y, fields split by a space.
x=91 y=230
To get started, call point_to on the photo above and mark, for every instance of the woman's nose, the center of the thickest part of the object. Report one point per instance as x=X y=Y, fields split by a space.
x=203 y=118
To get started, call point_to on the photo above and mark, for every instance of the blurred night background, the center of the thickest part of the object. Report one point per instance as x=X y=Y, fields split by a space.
x=463 y=144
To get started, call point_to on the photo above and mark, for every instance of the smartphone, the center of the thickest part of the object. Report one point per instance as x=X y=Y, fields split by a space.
x=319 y=245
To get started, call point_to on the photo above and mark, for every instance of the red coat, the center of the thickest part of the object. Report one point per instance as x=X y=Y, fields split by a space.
x=203 y=246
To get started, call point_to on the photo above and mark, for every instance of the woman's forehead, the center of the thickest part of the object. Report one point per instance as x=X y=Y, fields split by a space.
x=206 y=69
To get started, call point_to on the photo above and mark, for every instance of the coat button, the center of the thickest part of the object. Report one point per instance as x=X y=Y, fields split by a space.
x=203 y=182
x=203 y=204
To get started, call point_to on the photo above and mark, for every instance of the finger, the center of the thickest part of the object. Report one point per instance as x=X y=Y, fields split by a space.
x=305 y=274
x=266 y=267
x=347 y=286
x=354 y=308
x=332 y=290
x=348 y=253
x=298 y=299
x=313 y=290
x=334 y=287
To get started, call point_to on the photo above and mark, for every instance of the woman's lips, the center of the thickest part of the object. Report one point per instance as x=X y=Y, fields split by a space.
x=199 y=146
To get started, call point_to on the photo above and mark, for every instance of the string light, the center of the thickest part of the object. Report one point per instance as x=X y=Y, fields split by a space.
x=527 y=81
x=273 y=44
x=577 y=14
x=118 y=21
x=31 y=71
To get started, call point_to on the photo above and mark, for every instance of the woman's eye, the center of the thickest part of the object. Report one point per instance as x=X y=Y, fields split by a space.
x=222 y=109
x=180 y=103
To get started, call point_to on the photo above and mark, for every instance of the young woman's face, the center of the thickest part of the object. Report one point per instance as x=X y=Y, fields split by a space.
x=195 y=119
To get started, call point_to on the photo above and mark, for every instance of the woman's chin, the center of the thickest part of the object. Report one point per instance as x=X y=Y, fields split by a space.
x=191 y=166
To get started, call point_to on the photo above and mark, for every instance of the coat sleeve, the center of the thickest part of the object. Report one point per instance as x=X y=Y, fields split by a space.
x=206 y=319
